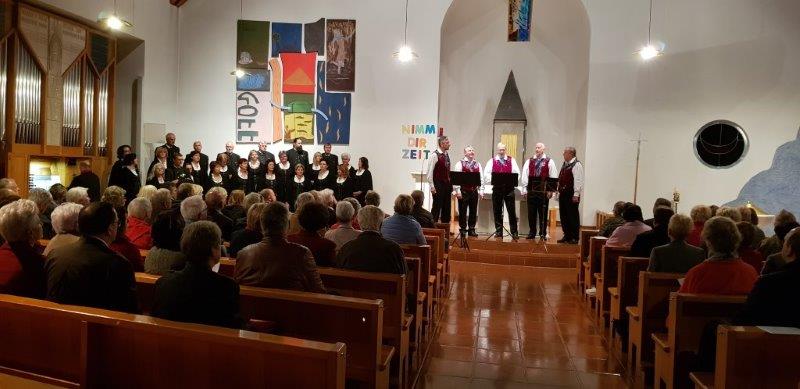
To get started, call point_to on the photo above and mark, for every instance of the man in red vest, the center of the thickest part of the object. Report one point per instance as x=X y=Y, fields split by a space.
x=439 y=181
x=570 y=186
x=535 y=172
x=468 y=195
x=502 y=163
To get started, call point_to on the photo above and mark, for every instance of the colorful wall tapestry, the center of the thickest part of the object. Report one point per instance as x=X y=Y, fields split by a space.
x=340 y=75
x=519 y=20
x=286 y=38
x=334 y=126
x=252 y=44
x=314 y=37
x=297 y=81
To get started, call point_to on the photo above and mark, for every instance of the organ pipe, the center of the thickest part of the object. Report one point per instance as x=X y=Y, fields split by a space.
x=28 y=96
x=70 y=130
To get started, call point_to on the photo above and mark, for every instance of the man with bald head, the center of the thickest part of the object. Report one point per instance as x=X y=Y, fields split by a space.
x=170 y=146
x=233 y=158
x=197 y=148
x=264 y=156
x=468 y=195
x=535 y=172
x=502 y=163
x=773 y=300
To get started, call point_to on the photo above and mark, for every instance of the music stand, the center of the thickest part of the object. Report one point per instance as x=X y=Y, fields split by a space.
x=504 y=182
x=464 y=179
x=544 y=186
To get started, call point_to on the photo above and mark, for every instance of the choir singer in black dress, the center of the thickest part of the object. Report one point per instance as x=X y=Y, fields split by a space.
x=363 y=180
x=215 y=177
x=241 y=178
x=325 y=179
x=283 y=178
x=343 y=187
x=298 y=184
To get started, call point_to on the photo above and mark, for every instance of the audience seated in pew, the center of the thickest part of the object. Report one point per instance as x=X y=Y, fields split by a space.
x=215 y=201
x=21 y=265
x=249 y=200
x=165 y=255
x=781 y=226
x=88 y=272
x=345 y=231
x=723 y=273
x=746 y=251
x=234 y=208
x=700 y=215
x=773 y=300
x=161 y=201
x=658 y=236
x=634 y=225
x=659 y=203
x=677 y=256
x=45 y=204
x=371 y=252
x=749 y=215
x=775 y=262
x=302 y=199
x=401 y=227
x=251 y=234
x=423 y=216
x=275 y=262
x=196 y=294
x=122 y=245
x=611 y=224
x=65 y=225
x=138 y=223
x=313 y=218
x=356 y=208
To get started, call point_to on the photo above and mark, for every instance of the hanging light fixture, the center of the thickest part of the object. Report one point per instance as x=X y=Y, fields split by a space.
x=239 y=72
x=650 y=50
x=113 y=21
x=405 y=54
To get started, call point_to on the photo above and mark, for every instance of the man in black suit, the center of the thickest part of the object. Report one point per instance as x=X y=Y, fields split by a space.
x=116 y=177
x=296 y=154
x=197 y=147
x=660 y=202
x=170 y=146
x=176 y=170
x=331 y=159
x=88 y=272
x=233 y=158
x=264 y=156
x=87 y=179
x=196 y=294
x=658 y=236
x=773 y=300
x=370 y=251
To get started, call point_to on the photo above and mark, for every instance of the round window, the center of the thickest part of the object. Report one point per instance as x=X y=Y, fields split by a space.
x=720 y=144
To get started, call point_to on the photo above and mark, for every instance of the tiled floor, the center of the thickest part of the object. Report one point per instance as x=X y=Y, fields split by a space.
x=514 y=326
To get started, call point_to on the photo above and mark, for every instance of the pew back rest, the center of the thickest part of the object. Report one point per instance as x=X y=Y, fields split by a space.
x=391 y=288
x=586 y=236
x=437 y=249
x=414 y=279
x=749 y=357
x=628 y=279
x=596 y=244
x=442 y=234
x=654 y=292
x=320 y=317
x=690 y=313
x=227 y=266
x=423 y=252
x=609 y=263
x=87 y=347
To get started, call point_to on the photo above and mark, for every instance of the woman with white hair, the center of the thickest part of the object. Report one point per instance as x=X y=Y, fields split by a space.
x=21 y=266
x=65 y=225
x=78 y=195
x=44 y=202
x=114 y=195
x=139 y=215
x=193 y=209
x=723 y=272
x=147 y=191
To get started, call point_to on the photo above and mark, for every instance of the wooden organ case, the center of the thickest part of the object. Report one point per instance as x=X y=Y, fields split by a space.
x=56 y=95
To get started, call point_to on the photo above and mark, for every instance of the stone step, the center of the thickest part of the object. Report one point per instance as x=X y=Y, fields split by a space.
x=559 y=260
x=521 y=246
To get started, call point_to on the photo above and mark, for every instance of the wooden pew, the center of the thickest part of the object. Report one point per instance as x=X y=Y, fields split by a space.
x=427 y=281
x=592 y=265
x=688 y=316
x=356 y=322
x=749 y=357
x=605 y=278
x=71 y=346
x=624 y=294
x=649 y=315
x=585 y=236
x=442 y=250
x=391 y=288
x=601 y=217
x=415 y=342
x=437 y=251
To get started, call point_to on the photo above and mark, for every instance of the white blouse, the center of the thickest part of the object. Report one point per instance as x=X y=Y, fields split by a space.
x=284 y=167
x=299 y=180
x=340 y=180
x=360 y=172
x=239 y=173
x=324 y=175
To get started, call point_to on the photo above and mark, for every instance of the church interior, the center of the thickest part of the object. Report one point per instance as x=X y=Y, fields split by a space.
x=576 y=193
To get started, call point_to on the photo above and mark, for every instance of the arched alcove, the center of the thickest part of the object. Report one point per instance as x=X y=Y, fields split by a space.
x=551 y=71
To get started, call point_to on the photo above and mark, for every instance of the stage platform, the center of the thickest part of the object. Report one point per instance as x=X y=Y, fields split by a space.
x=521 y=253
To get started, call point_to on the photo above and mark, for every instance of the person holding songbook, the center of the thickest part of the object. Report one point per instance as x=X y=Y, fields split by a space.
x=535 y=173
x=502 y=194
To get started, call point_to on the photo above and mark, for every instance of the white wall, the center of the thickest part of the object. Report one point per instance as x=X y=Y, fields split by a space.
x=128 y=70
x=724 y=59
x=551 y=72
x=387 y=94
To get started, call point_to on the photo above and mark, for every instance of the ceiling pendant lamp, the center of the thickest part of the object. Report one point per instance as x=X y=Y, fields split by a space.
x=650 y=50
x=405 y=54
x=113 y=21
x=239 y=72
